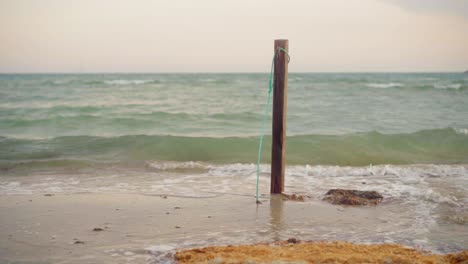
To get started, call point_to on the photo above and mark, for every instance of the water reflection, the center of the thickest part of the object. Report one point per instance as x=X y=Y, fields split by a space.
x=276 y=216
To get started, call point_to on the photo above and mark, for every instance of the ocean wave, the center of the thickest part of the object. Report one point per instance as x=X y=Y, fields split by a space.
x=99 y=120
x=455 y=86
x=357 y=149
x=78 y=104
x=384 y=85
x=433 y=184
x=174 y=165
x=129 y=82
x=463 y=131
x=77 y=81
x=422 y=86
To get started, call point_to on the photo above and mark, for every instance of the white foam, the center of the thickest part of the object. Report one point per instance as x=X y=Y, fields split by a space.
x=412 y=183
x=236 y=169
x=462 y=131
x=162 y=253
x=161 y=248
x=436 y=197
x=58 y=82
x=127 y=82
x=384 y=85
x=172 y=165
x=454 y=86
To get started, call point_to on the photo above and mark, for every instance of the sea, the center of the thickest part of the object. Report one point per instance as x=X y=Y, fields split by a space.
x=197 y=134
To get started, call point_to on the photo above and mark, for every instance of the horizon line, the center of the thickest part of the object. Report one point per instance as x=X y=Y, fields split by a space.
x=232 y=72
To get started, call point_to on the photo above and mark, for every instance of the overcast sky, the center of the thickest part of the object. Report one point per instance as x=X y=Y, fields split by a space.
x=232 y=35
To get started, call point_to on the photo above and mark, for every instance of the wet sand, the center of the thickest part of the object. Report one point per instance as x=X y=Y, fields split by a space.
x=148 y=229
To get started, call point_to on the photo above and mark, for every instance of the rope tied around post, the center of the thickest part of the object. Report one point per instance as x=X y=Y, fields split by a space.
x=285 y=52
x=262 y=134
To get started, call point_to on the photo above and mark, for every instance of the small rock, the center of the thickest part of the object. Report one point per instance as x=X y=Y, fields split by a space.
x=363 y=183
x=49 y=194
x=163 y=196
x=98 y=229
x=292 y=241
x=176 y=226
x=78 y=242
x=352 y=197
x=209 y=216
x=168 y=213
x=177 y=207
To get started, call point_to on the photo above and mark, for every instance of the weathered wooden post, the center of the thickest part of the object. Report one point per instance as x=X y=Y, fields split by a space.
x=280 y=92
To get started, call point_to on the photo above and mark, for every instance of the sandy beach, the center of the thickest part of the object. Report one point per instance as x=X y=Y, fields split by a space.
x=253 y=132
x=136 y=228
x=148 y=229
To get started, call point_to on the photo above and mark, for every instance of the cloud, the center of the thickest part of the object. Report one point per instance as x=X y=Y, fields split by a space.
x=453 y=7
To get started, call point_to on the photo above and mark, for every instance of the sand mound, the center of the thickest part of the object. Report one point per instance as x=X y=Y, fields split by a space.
x=314 y=252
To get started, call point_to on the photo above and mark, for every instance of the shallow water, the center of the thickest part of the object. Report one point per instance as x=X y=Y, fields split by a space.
x=195 y=136
x=149 y=228
x=424 y=205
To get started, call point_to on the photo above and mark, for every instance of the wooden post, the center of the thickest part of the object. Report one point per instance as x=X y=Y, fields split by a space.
x=278 y=141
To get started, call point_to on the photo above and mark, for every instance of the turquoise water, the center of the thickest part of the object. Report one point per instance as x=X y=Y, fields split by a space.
x=196 y=135
x=343 y=119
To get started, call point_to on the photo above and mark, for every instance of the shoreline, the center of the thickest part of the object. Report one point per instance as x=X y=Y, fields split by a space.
x=148 y=229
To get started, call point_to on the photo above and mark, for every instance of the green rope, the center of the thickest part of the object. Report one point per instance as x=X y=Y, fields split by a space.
x=262 y=134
